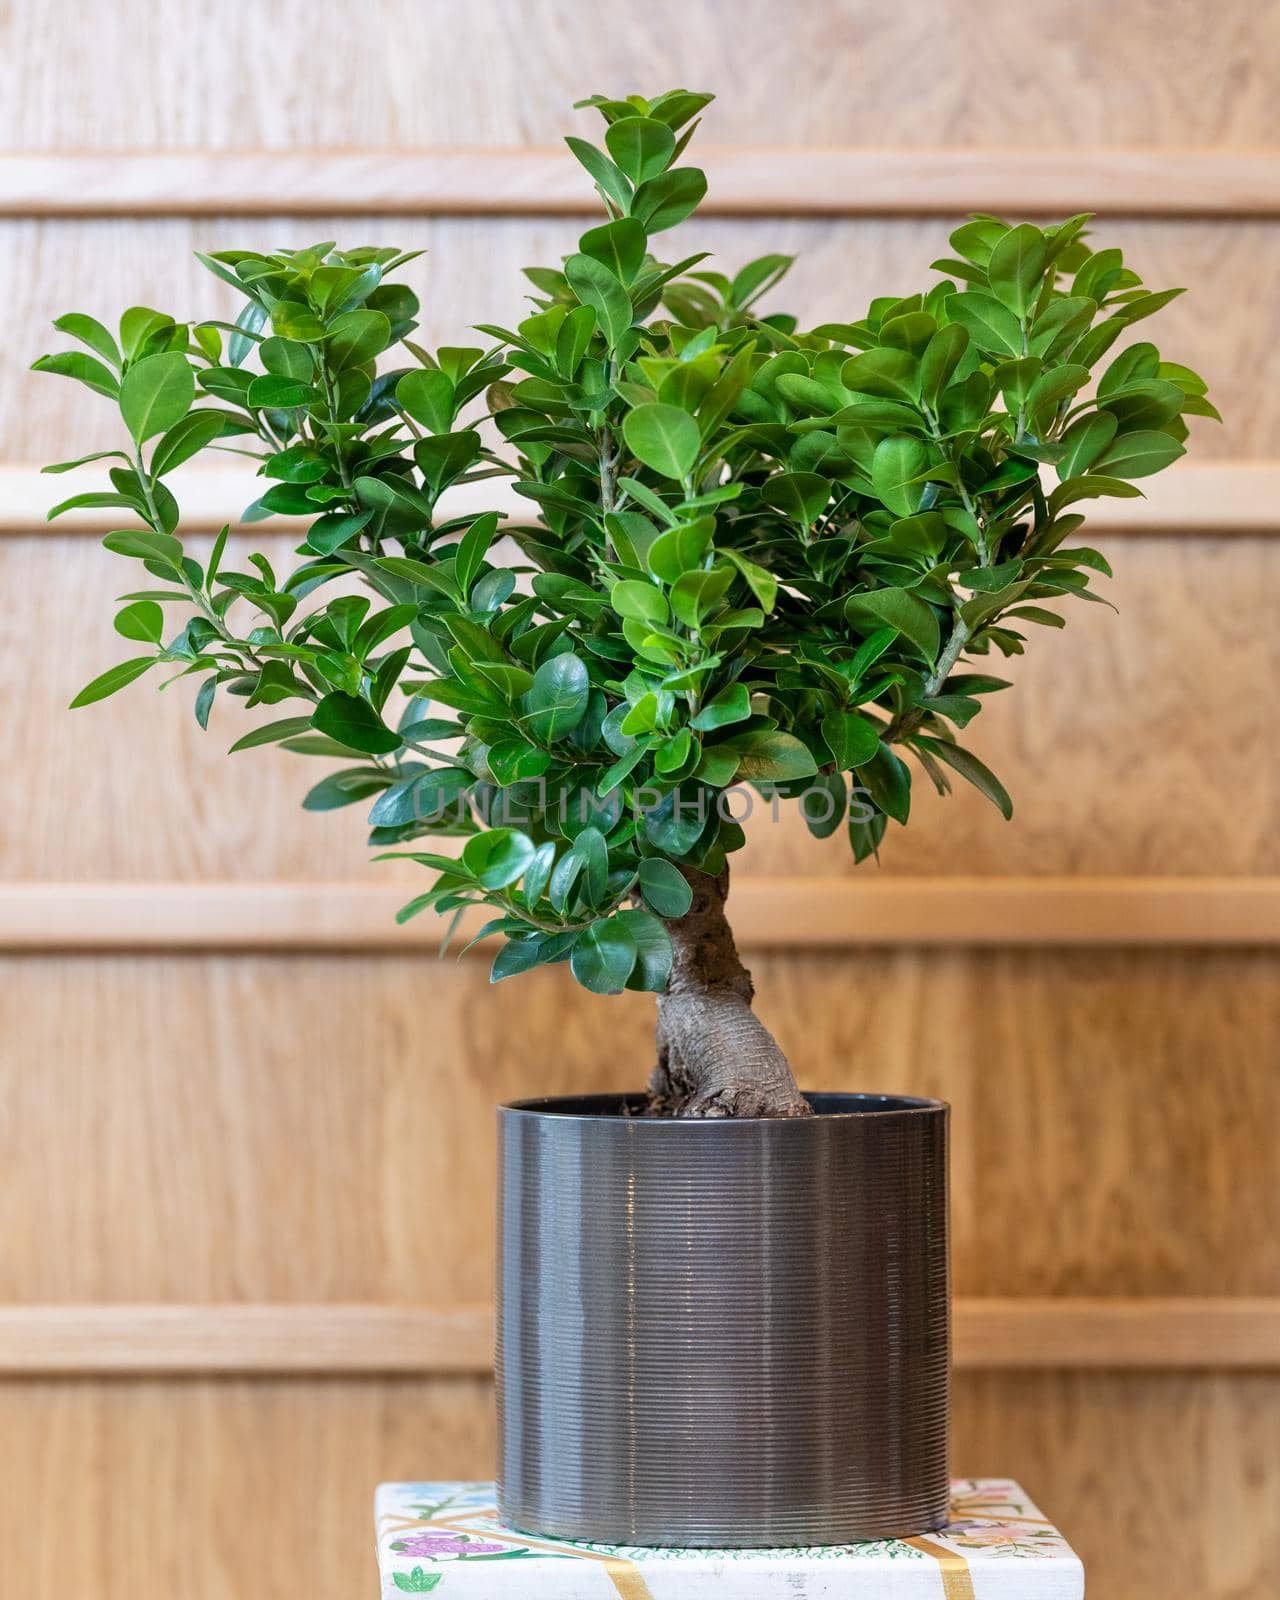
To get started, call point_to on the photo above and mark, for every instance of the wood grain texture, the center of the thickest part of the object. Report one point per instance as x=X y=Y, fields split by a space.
x=1133 y=745
x=1107 y=1109
x=769 y=913
x=244 y=1487
x=471 y=273
x=1215 y=497
x=222 y=1487
x=743 y=181
x=258 y=1340
x=169 y=75
x=1101 y=1450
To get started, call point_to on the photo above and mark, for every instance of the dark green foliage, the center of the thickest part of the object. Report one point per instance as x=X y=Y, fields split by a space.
x=754 y=554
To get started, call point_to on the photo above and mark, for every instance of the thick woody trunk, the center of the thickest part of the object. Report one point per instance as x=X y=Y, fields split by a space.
x=715 y=1057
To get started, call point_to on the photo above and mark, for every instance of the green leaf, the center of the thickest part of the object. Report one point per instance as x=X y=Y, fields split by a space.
x=293 y=320
x=556 y=704
x=975 y=240
x=280 y=394
x=941 y=358
x=355 y=338
x=91 y=332
x=242 y=341
x=272 y=733
x=732 y=704
x=640 y=147
x=664 y=201
x=185 y=439
x=336 y=528
x=514 y=761
x=898 y=460
x=204 y=701
x=968 y=766
x=91 y=501
x=665 y=888
x=472 y=548
x=397 y=495
x=427 y=394
x=608 y=178
x=653 y=950
x=75 y=364
x=112 y=679
x=800 y=496
x=422 y=797
x=442 y=459
x=677 y=551
x=991 y=326
x=83 y=461
x=596 y=286
x=1138 y=455
x=761 y=582
x=851 y=739
x=902 y=610
x=769 y=755
x=156 y=393
x=344 y=788
x=603 y=956
x=663 y=437
x=642 y=602
x=143 y=545
x=1090 y=487
x=498 y=857
x=887 y=779
x=1016 y=266
x=143 y=620
x=137 y=325
x=516 y=956
x=888 y=374
x=1084 y=441
x=352 y=721
x=619 y=246
x=824 y=804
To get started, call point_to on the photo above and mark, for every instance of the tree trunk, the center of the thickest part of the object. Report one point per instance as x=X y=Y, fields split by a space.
x=715 y=1057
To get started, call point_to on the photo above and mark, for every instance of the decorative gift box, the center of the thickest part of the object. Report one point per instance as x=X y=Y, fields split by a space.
x=446 y=1539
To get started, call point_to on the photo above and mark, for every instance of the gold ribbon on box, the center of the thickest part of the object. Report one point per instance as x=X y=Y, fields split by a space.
x=957 y=1583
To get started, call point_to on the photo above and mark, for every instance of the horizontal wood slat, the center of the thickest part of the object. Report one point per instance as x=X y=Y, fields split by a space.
x=744 y=181
x=1202 y=497
x=990 y=1335
x=777 y=913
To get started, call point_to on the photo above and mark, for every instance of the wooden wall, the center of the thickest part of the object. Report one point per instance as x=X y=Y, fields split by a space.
x=246 y=1128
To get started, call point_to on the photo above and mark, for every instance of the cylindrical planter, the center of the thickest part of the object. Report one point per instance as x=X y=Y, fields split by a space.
x=723 y=1333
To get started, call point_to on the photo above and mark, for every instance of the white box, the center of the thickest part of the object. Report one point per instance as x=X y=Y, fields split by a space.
x=445 y=1539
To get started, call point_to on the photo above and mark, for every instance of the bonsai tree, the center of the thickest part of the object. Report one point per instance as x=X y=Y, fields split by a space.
x=754 y=555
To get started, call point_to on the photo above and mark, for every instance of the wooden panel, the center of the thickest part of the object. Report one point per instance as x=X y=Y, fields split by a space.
x=769 y=913
x=221 y=1487
x=208 y=1490
x=1215 y=497
x=432 y=72
x=744 y=181
x=1166 y=1485
x=471 y=274
x=1093 y=1153
x=1131 y=745
x=336 y=1339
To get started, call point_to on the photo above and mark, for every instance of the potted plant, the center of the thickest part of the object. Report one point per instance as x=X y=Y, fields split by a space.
x=755 y=554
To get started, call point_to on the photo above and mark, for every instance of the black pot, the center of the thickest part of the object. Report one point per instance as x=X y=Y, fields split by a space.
x=723 y=1333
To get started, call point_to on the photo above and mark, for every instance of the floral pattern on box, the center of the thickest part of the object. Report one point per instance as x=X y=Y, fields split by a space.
x=446 y=1539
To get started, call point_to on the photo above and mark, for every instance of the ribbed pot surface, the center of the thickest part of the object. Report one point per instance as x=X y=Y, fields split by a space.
x=723 y=1333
